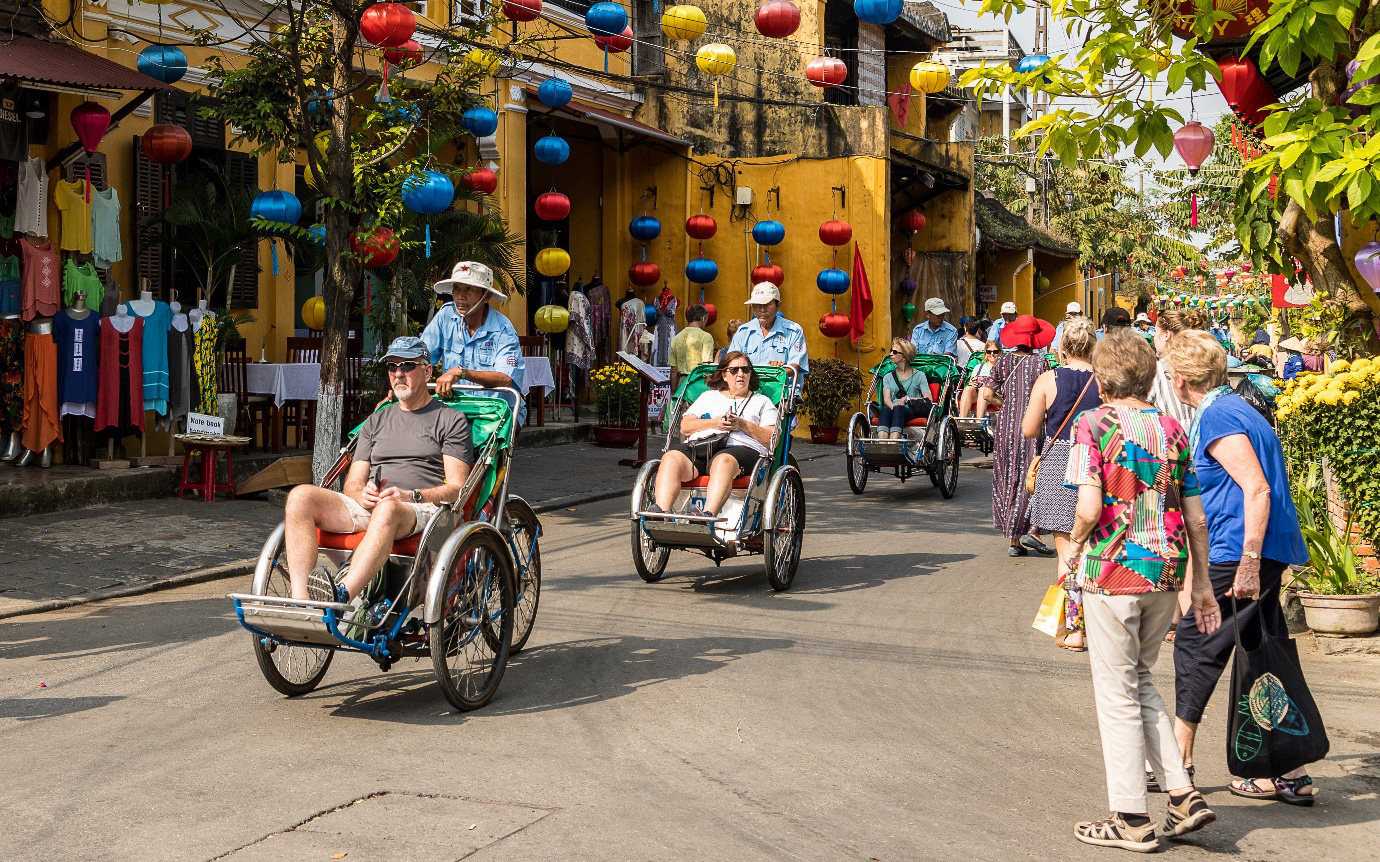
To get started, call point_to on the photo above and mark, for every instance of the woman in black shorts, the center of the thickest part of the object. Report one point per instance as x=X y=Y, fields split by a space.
x=723 y=433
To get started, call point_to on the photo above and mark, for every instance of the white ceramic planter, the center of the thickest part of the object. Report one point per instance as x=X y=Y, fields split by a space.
x=1341 y=615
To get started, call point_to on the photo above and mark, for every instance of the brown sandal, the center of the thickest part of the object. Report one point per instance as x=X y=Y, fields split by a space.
x=1061 y=643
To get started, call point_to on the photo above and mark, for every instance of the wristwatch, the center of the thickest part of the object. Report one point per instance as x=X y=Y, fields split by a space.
x=417 y=497
x=1251 y=554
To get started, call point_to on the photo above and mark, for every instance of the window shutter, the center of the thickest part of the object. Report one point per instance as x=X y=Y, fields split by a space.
x=75 y=169
x=649 y=54
x=243 y=170
x=150 y=258
x=180 y=109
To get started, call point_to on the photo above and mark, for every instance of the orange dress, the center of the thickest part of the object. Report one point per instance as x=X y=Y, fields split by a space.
x=41 y=428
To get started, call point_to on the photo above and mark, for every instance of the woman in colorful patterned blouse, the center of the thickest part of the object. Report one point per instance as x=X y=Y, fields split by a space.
x=1138 y=512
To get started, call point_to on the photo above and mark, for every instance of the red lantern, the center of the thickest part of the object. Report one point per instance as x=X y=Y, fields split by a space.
x=388 y=25
x=768 y=272
x=376 y=247
x=1194 y=142
x=90 y=122
x=406 y=55
x=644 y=273
x=616 y=44
x=777 y=19
x=911 y=221
x=701 y=226
x=710 y=310
x=834 y=325
x=482 y=180
x=166 y=144
x=522 y=10
x=835 y=232
x=1238 y=74
x=1246 y=266
x=552 y=206
x=826 y=72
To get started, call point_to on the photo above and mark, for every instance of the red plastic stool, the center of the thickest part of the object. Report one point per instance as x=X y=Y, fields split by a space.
x=210 y=452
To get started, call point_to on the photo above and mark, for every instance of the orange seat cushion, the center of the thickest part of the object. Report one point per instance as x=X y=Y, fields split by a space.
x=918 y=422
x=740 y=483
x=349 y=541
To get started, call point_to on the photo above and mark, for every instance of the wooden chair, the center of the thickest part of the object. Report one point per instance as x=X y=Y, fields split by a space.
x=300 y=415
x=356 y=404
x=252 y=414
x=303 y=349
x=534 y=345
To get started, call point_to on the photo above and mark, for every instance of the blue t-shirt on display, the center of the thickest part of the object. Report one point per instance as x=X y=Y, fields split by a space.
x=1222 y=498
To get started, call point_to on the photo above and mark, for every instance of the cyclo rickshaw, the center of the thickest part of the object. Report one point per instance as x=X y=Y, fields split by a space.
x=973 y=431
x=464 y=591
x=930 y=442
x=764 y=513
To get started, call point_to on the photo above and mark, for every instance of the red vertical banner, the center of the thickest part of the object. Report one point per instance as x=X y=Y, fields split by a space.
x=861 y=301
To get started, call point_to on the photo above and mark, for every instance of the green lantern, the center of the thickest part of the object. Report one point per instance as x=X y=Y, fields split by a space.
x=1250 y=302
x=908 y=310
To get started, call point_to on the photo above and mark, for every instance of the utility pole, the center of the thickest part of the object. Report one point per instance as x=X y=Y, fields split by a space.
x=1039 y=104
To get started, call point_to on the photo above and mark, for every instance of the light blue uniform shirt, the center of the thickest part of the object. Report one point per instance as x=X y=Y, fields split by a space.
x=935 y=342
x=994 y=331
x=493 y=346
x=784 y=343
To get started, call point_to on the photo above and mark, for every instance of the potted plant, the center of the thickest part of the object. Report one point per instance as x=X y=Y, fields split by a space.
x=1339 y=596
x=831 y=388
x=618 y=405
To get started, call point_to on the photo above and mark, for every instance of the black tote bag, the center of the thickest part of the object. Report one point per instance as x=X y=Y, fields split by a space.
x=1274 y=726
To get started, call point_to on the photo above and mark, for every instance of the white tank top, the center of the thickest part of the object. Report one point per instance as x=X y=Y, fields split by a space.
x=31 y=206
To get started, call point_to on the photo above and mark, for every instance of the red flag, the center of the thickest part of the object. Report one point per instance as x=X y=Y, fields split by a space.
x=861 y=306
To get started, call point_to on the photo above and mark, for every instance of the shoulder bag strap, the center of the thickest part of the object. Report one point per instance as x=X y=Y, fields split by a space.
x=1068 y=415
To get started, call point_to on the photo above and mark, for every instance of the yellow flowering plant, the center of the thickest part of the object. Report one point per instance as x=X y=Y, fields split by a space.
x=617 y=396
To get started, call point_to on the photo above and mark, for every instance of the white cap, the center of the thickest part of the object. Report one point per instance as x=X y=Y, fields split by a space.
x=1008 y=308
x=1143 y=318
x=471 y=273
x=935 y=305
x=1073 y=308
x=763 y=292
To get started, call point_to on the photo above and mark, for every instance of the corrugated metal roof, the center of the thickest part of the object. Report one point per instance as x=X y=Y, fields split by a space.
x=58 y=63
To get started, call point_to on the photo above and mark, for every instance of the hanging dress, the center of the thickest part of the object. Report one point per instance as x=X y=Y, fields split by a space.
x=180 y=374
x=105 y=229
x=40 y=281
x=665 y=329
x=11 y=375
x=41 y=427
x=157 y=324
x=9 y=285
x=579 y=342
x=600 y=315
x=632 y=324
x=204 y=364
x=78 y=343
x=76 y=216
x=120 y=404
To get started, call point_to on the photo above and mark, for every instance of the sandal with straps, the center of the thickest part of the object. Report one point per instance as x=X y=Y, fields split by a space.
x=1249 y=789
x=1289 y=790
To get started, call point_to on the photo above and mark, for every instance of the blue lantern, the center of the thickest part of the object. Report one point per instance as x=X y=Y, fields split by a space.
x=480 y=122
x=401 y=115
x=651 y=315
x=164 y=63
x=318 y=235
x=768 y=232
x=832 y=281
x=551 y=150
x=701 y=270
x=608 y=19
x=281 y=208
x=554 y=93
x=878 y=11
x=645 y=228
x=1031 y=63
x=428 y=193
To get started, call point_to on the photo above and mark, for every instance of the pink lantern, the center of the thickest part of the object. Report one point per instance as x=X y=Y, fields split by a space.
x=91 y=122
x=1368 y=264
x=1194 y=143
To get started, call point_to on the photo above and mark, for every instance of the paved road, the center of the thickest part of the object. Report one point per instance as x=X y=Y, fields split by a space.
x=895 y=705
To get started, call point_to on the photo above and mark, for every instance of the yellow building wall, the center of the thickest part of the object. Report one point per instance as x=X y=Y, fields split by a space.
x=1065 y=286
x=1014 y=278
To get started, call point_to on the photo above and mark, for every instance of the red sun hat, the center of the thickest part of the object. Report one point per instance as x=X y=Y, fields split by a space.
x=1029 y=331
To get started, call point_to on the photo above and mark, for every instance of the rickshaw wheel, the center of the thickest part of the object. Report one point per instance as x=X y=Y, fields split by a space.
x=649 y=557
x=294 y=669
x=857 y=463
x=471 y=642
x=947 y=468
x=523 y=531
x=784 y=528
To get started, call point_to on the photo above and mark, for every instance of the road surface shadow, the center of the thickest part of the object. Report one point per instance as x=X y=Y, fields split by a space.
x=38 y=706
x=108 y=629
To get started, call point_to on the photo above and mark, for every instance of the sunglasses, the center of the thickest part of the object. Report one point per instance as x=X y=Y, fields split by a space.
x=897 y=353
x=404 y=367
x=735 y=370
x=991 y=352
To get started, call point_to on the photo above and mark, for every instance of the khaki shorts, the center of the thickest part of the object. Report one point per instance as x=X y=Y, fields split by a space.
x=359 y=515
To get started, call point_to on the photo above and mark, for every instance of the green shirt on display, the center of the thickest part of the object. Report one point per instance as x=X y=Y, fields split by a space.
x=84 y=278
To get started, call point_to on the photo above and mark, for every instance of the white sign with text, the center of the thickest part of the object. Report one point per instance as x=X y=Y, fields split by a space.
x=199 y=423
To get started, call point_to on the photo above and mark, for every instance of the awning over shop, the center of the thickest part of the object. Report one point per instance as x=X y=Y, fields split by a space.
x=1003 y=228
x=608 y=119
x=54 y=63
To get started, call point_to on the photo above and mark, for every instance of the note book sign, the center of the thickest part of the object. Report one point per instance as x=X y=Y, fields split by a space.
x=198 y=423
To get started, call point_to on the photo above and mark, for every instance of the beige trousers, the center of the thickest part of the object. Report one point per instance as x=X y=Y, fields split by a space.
x=1124 y=637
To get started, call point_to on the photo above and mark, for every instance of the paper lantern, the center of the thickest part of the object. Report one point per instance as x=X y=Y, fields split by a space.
x=768 y=272
x=911 y=221
x=552 y=319
x=1368 y=264
x=711 y=311
x=701 y=226
x=318 y=238
x=314 y=313
x=166 y=63
x=777 y=19
x=1032 y=63
x=1239 y=76
x=832 y=281
x=650 y=311
x=908 y=311
x=91 y=122
x=279 y=207
x=644 y=273
x=701 y=270
x=1194 y=143
x=1250 y=302
x=551 y=150
x=826 y=72
x=483 y=61
x=1229 y=274
x=683 y=23
x=387 y=25
x=401 y=115
x=929 y=77
x=552 y=262
x=1246 y=267
x=406 y=55
x=644 y=228
x=835 y=232
x=320 y=103
x=554 y=93
x=375 y=246
x=1041 y=283
x=166 y=144
x=768 y=232
x=522 y=10
x=482 y=180
x=606 y=19
x=480 y=122
x=908 y=285
x=878 y=11
x=618 y=42
x=428 y=192
x=834 y=325
x=552 y=206
x=716 y=58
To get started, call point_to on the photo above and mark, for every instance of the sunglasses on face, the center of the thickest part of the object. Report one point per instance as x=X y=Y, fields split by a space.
x=404 y=367
x=991 y=352
x=897 y=353
x=735 y=370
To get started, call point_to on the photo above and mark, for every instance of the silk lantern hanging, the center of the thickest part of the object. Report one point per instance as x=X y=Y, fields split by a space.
x=617 y=43
x=485 y=61
x=314 y=313
x=428 y=193
x=644 y=273
x=551 y=150
x=318 y=236
x=1194 y=144
x=835 y=232
x=701 y=270
x=768 y=272
x=701 y=226
x=166 y=63
x=911 y=221
x=552 y=262
x=1032 y=63
x=683 y=23
x=377 y=246
x=777 y=19
x=826 y=72
x=908 y=311
x=280 y=209
x=878 y=11
x=480 y=122
x=482 y=180
x=555 y=93
x=387 y=25
x=552 y=319
x=832 y=281
x=552 y=206
x=768 y=232
x=404 y=56
x=929 y=77
x=644 y=228
x=1367 y=262
x=522 y=10
x=605 y=21
x=91 y=122
x=834 y=325
x=710 y=309
x=166 y=144
x=908 y=286
x=716 y=59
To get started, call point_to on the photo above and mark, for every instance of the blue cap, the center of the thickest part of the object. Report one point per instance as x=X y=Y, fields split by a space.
x=408 y=347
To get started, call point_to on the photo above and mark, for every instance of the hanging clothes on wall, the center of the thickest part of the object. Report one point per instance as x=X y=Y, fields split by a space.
x=41 y=426
x=180 y=373
x=31 y=208
x=83 y=278
x=14 y=126
x=76 y=216
x=600 y=315
x=105 y=229
x=204 y=364
x=120 y=404
x=11 y=375
x=579 y=343
x=632 y=323
x=157 y=323
x=665 y=305
x=40 y=282
x=78 y=344
x=9 y=286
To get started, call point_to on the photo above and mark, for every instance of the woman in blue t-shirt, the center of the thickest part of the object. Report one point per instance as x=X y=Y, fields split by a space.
x=1253 y=535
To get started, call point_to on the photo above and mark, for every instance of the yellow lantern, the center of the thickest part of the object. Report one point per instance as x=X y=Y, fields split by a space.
x=483 y=60
x=1163 y=59
x=552 y=262
x=552 y=318
x=683 y=23
x=314 y=313
x=716 y=59
x=929 y=77
x=321 y=143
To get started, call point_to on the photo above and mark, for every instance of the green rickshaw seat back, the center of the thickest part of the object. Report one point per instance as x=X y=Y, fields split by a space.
x=773 y=381
x=938 y=371
x=488 y=417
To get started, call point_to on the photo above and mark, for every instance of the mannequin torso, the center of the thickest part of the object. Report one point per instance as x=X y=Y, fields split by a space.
x=143 y=306
x=180 y=321
x=123 y=321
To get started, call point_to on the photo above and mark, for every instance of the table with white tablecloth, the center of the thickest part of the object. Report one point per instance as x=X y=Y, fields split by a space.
x=282 y=382
x=537 y=375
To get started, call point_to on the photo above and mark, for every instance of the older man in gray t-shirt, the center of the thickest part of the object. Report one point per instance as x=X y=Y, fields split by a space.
x=410 y=459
